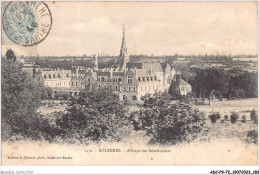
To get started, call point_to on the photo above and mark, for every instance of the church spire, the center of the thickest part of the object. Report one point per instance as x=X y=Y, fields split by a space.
x=123 y=50
x=124 y=59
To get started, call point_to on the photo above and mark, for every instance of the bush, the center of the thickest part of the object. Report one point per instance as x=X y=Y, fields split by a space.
x=243 y=119
x=95 y=115
x=253 y=115
x=214 y=117
x=169 y=123
x=252 y=136
x=226 y=117
x=233 y=117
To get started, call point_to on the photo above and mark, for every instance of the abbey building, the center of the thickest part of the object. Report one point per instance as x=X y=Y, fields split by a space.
x=128 y=80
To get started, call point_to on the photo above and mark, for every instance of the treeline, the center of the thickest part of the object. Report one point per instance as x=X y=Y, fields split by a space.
x=235 y=83
x=68 y=65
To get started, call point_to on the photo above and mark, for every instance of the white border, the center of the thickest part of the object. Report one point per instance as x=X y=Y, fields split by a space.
x=132 y=169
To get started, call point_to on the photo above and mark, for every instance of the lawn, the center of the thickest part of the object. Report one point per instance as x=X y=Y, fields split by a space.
x=225 y=107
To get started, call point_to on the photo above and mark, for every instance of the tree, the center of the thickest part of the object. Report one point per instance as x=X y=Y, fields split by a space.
x=94 y=115
x=174 y=91
x=243 y=119
x=226 y=117
x=214 y=117
x=168 y=123
x=47 y=93
x=233 y=117
x=253 y=116
x=20 y=99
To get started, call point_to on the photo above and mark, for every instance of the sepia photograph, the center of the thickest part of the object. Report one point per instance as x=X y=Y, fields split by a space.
x=129 y=83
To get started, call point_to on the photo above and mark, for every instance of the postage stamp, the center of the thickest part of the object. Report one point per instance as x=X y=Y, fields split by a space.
x=27 y=23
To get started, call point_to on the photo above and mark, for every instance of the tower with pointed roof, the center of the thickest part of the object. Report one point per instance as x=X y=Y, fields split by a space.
x=124 y=59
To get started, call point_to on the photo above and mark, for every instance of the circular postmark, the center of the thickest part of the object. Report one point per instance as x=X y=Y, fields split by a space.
x=27 y=23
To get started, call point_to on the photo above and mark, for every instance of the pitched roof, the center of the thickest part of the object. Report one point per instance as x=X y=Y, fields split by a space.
x=183 y=83
x=103 y=74
x=156 y=67
x=142 y=73
x=118 y=74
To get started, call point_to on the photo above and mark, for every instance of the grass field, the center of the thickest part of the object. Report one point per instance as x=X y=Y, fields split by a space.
x=241 y=106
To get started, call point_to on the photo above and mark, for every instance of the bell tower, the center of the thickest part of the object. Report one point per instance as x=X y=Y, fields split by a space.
x=124 y=59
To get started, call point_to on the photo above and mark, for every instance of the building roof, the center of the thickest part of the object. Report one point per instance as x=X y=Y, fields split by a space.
x=118 y=74
x=184 y=83
x=103 y=74
x=142 y=73
x=156 y=67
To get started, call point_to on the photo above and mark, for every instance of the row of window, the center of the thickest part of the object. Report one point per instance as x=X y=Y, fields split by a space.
x=116 y=88
x=109 y=79
x=183 y=88
x=104 y=86
x=148 y=88
x=147 y=78
x=72 y=83
x=54 y=76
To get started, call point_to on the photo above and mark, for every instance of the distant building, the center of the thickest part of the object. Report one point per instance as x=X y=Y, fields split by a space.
x=129 y=81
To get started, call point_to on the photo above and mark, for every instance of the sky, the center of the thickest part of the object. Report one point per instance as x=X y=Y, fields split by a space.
x=152 y=28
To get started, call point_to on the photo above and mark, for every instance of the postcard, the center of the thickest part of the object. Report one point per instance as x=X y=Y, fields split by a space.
x=129 y=83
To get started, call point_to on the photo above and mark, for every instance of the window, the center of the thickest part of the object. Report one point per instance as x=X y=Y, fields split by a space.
x=98 y=78
x=147 y=78
x=116 y=88
x=134 y=89
x=110 y=87
x=59 y=76
x=67 y=75
x=155 y=78
x=45 y=76
x=151 y=78
x=105 y=86
x=129 y=80
x=139 y=78
x=102 y=78
x=76 y=83
x=50 y=76
x=168 y=80
x=99 y=86
x=129 y=88
x=143 y=78
x=119 y=79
